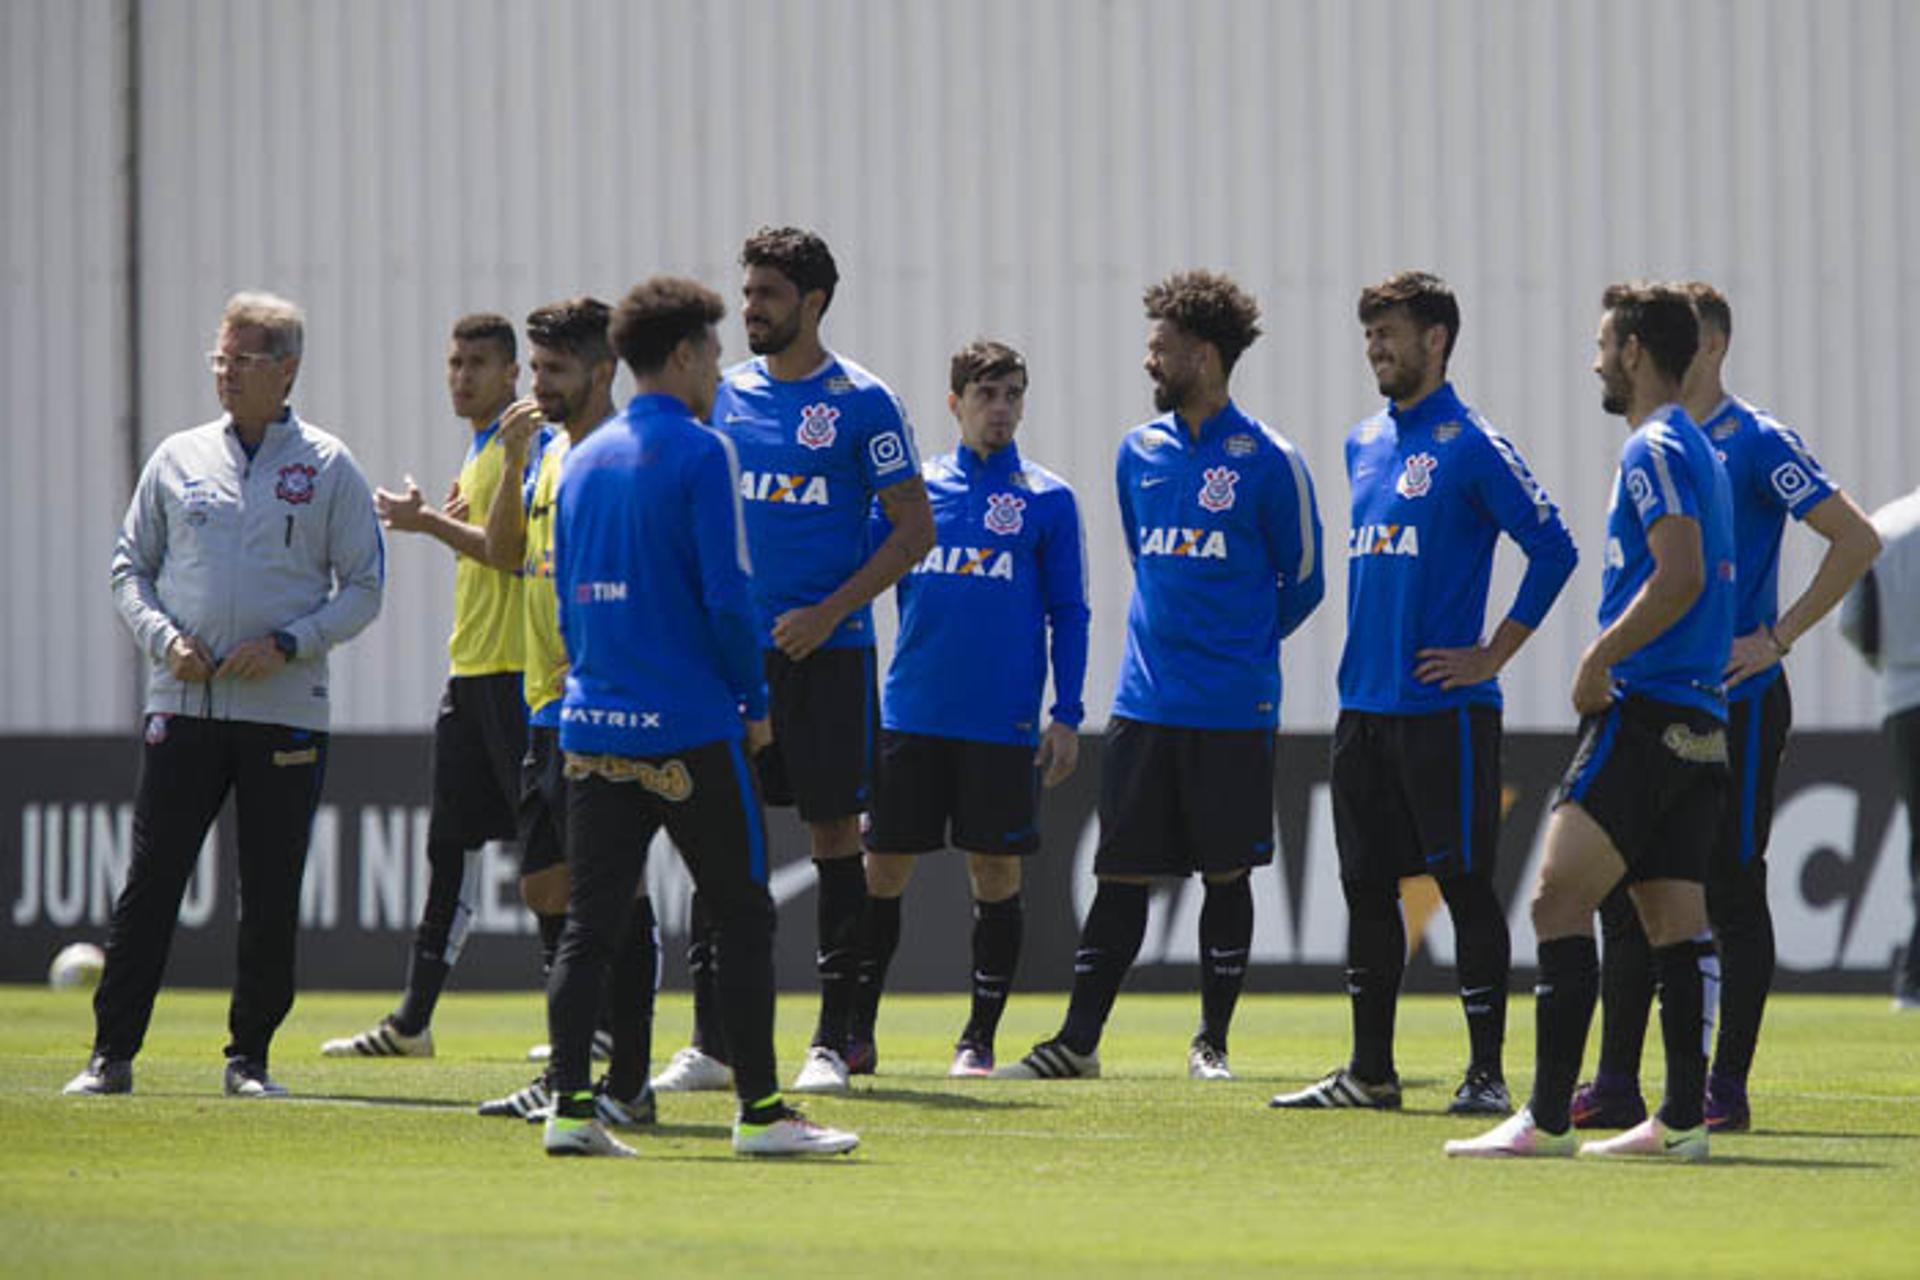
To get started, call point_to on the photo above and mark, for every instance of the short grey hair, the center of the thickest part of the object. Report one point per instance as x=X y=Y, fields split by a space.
x=284 y=323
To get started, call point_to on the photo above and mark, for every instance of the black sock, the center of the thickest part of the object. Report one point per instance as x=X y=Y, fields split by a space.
x=1626 y=989
x=1563 y=1001
x=1689 y=993
x=997 y=929
x=879 y=939
x=551 y=927
x=629 y=1004
x=1376 y=958
x=1743 y=929
x=1483 y=960
x=1116 y=924
x=703 y=974
x=842 y=901
x=1226 y=937
x=426 y=976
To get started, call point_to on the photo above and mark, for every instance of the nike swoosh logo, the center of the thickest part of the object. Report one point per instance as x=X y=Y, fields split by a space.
x=1151 y=481
x=739 y=417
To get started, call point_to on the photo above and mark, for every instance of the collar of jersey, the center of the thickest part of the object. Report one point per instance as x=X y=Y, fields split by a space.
x=481 y=439
x=653 y=403
x=1437 y=406
x=1229 y=418
x=285 y=420
x=1000 y=462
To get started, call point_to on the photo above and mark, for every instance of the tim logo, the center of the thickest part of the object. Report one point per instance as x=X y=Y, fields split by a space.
x=599 y=592
x=1217 y=493
x=816 y=425
x=296 y=484
x=1003 y=513
x=1417 y=480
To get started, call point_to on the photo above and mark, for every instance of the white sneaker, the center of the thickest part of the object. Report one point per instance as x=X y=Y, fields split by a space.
x=602 y=1049
x=791 y=1135
x=1652 y=1139
x=824 y=1071
x=581 y=1138
x=383 y=1041
x=1052 y=1060
x=1516 y=1136
x=693 y=1071
x=1204 y=1062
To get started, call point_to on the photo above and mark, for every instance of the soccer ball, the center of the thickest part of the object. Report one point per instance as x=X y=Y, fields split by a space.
x=79 y=964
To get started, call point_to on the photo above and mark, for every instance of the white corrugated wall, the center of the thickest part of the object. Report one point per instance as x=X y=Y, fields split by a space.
x=1017 y=169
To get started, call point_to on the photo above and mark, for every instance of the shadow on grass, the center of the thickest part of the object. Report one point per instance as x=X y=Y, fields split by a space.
x=377 y=1100
x=940 y=1100
x=1862 y=1136
x=1783 y=1162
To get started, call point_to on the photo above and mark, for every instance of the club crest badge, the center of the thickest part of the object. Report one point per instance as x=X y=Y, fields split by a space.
x=296 y=484
x=1003 y=513
x=1217 y=493
x=156 y=728
x=1417 y=479
x=816 y=425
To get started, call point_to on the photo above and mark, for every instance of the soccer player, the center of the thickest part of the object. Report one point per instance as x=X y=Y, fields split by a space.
x=1881 y=618
x=1219 y=517
x=818 y=438
x=1416 y=751
x=1773 y=476
x=665 y=700
x=480 y=733
x=250 y=549
x=572 y=364
x=1642 y=799
x=961 y=748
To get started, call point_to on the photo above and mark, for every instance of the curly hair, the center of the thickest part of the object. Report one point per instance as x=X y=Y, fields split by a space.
x=659 y=314
x=1427 y=298
x=800 y=256
x=1209 y=306
x=577 y=326
x=1661 y=316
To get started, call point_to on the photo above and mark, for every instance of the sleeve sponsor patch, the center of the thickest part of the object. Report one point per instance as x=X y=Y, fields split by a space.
x=887 y=452
x=1640 y=489
x=1791 y=481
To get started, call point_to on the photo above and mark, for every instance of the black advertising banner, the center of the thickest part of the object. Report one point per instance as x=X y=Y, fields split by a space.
x=1838 y=876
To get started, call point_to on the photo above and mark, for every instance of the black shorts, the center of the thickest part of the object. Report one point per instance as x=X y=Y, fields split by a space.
x=543 y=802
x=706 y=798
x=1416 y=794
x=1174 y=801
x=826 y=712
x=1756 y=740
x=479 y=740
x=1654 y=776
x=988 y=791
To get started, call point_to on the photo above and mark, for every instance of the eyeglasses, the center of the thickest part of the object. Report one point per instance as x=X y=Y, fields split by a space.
x=220 y=361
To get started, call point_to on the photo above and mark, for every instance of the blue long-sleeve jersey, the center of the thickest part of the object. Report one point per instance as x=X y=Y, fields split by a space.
x=1225 y=541
x=1433 y=488
x=813 y=453
x=1008 y=571
x=651 y=570
x=1668 y=468
x=1772 y=475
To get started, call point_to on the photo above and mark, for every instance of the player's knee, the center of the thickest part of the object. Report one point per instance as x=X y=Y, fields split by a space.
x=994 y=878
x=545 y=892
x=835 y=838
x=1556 y=914
x=888 y=874
x=1370 y=898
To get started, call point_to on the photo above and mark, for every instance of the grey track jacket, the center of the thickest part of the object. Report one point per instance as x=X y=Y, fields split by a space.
x=226 y=548
x=1882 y=611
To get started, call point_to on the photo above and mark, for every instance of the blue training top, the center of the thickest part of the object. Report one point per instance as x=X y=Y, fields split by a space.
x=1668 y=468
x=1434 y=486
x=1008 y=568
x=813 y=453
x=1772 y=476
x=1225 y=541
x=651 y=570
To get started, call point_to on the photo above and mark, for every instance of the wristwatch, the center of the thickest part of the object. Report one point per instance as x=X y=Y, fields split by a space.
x=284 y=642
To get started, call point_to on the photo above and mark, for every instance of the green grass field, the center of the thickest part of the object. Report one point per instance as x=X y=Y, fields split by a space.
x=380 y=1168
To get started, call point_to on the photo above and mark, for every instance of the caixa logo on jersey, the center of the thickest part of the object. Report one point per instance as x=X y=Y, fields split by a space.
x=1003 y=513
x=1383 y=540
x=968 y=562
x=600 y=592
x=777 y=486
x=1200 y=544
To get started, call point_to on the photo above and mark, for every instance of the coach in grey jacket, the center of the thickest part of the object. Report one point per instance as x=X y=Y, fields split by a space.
x=1881 y=617
x=249 y=551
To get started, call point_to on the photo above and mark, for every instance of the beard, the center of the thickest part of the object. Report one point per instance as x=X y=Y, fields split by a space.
x=1400 y=382
x=562 y=409
x=1169 y=395
x=1614 y=396
x=775 y=338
